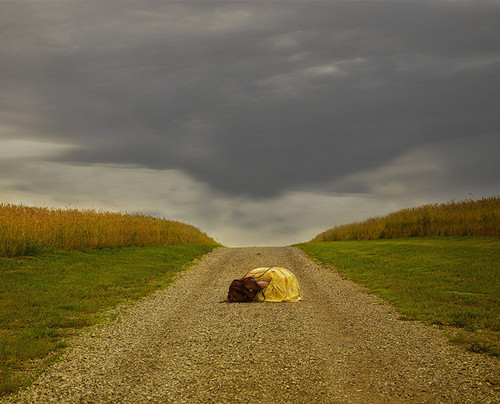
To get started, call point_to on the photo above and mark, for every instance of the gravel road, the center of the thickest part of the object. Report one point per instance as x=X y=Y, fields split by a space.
x=338 y=345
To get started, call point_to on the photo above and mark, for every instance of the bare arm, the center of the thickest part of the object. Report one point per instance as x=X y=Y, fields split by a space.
x=262 y=284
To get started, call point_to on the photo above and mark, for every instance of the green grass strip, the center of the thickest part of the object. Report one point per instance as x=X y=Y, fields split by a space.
x=445 y=281
x=47 y=297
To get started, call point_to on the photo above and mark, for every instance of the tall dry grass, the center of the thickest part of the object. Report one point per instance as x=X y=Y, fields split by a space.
x=24 y=229
x=465 y=218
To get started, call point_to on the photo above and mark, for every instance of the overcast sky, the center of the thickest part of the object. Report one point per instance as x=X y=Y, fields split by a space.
x=260 y=122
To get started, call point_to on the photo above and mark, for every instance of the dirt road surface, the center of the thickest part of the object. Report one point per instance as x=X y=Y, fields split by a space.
x=338 y=345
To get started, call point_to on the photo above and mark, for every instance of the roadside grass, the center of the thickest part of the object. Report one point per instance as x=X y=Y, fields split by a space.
x=451 y=282
x=47 y=297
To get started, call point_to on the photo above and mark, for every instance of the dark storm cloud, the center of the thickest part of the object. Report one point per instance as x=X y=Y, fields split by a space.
x=254 y=98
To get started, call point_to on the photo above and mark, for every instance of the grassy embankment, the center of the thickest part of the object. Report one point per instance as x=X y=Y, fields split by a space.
x=450 y=281
x=58 y=273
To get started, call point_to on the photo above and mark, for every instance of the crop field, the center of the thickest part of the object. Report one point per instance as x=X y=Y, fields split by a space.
x=466 y=218
x=24 y=229
x=450 y=282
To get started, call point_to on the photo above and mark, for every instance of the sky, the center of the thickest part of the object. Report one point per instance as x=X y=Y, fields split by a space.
x=259 y=122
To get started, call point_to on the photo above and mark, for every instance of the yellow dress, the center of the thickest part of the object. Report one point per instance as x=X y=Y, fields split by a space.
x=283 y=285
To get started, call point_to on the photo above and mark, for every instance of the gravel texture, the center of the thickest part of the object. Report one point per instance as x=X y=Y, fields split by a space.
x=338 y=345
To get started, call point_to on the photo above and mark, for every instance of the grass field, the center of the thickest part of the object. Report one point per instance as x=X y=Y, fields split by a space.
x=45 y=298
x=447 y=281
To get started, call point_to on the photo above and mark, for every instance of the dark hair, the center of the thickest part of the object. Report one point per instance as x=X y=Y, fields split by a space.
x=242 y=290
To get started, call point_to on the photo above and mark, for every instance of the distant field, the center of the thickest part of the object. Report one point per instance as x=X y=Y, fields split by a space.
x=46 y=297
x=465 y=218
x=24 y=229
x=446 y=281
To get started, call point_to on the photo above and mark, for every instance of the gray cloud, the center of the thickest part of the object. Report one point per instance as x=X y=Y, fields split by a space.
x=260 y=99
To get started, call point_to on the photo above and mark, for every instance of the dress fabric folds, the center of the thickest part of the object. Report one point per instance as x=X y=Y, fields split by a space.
x=283 y=285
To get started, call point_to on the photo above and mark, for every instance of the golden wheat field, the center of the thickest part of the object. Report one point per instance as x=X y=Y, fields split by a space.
x=24 y=228
x=465 y=218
